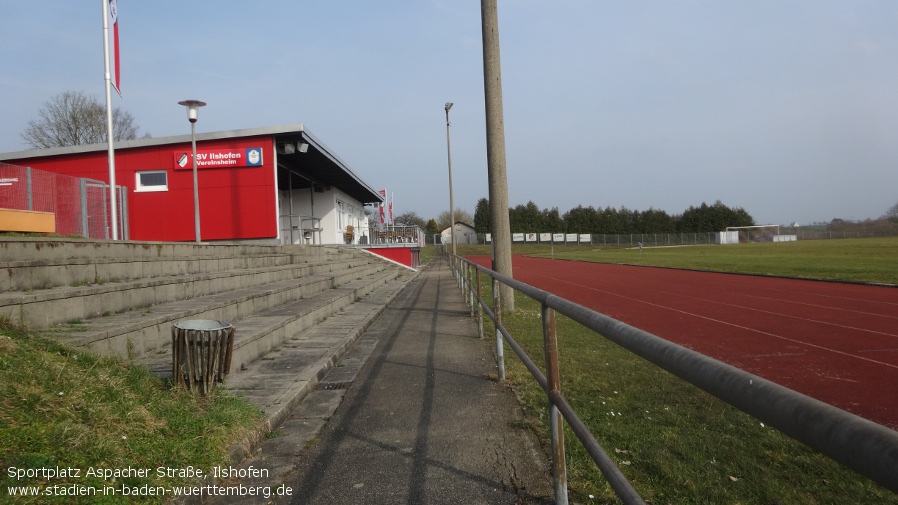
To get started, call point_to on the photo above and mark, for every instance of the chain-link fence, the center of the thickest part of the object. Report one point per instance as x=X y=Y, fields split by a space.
x=81 y=205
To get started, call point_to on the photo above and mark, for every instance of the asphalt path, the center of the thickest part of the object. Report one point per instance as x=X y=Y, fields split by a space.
x=413 y=414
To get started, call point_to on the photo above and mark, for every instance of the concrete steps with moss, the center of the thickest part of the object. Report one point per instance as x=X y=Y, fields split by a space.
x=271 y=294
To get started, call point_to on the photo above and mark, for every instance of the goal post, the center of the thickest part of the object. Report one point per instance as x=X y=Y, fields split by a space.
x=758 y=233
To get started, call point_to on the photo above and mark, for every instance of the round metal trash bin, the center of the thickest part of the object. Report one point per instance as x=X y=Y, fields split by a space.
x=201 y=353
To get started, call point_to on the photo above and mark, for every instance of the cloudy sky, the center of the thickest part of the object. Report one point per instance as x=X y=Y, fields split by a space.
x=787 y=108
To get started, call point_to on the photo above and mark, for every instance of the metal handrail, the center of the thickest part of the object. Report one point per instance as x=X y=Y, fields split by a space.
x=865 y=447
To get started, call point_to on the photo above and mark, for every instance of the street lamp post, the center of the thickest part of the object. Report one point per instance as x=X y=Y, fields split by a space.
x=192 y=106
x=451 y=201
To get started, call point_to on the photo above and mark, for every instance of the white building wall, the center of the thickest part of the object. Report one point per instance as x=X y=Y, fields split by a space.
x=463 y=235
x=338 y=211
x=326 y=206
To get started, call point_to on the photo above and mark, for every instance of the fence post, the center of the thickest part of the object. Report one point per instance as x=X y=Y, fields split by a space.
x=29 y=188
x=106 y=225
x=85 y=227
x=500 y=351
x=556 y=422
x=123 y=213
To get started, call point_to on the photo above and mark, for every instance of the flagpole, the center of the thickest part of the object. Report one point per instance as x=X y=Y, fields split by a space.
x=113 y=203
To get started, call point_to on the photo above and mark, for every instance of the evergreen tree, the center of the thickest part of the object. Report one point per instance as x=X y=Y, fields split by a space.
x=552 y=221
x=482 y=216
x=431 y=229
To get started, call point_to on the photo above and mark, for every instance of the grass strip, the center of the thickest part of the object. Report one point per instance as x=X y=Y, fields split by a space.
x=676 y=444
x=65 y=408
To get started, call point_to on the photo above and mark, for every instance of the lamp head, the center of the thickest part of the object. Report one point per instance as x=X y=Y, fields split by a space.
x=192 y=106
x=448 y=106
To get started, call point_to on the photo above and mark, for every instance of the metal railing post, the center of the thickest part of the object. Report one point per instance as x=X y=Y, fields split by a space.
x=468 y=269
x=497 y=311
x=463 y=270
x=556 y=422
x=479 y=306
x=464 y=279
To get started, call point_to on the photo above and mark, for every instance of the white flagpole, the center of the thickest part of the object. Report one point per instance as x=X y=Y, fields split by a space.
x=113 y=204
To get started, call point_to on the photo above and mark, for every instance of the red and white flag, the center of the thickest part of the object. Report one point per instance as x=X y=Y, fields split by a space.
x=391 y=208
x=383 y=193
x=114 y=67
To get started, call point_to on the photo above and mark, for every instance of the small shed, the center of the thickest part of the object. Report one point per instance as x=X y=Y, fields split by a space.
x=464 y=234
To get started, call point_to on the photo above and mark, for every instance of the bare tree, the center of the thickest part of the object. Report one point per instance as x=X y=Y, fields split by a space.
x=444 y=220
x=891 y=214
x=410 y=218
x=74 y=118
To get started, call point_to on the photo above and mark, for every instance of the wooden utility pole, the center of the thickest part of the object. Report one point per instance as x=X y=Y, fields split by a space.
x=495 y=148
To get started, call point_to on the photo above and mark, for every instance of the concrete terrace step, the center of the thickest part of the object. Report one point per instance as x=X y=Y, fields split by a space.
x=43 y=308
x=132 y=333
x=45 y=263
x=41 y=274
x=38 y=264
x=280 y=380
x=264 y=331
x=63 y=249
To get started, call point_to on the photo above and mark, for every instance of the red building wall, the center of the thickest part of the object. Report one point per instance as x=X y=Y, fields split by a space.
x=235 y=202
x=409 y=256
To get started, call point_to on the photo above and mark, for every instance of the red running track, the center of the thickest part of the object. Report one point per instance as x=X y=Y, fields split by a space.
x=835 y=342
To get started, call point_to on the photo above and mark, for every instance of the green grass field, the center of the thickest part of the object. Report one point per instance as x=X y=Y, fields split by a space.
x=860 y=260
x=677 y=444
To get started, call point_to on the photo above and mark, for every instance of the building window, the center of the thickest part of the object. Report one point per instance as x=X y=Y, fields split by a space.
x=340 y=210
x=156 y=180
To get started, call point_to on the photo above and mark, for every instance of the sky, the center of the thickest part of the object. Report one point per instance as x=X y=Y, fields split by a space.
x=785 y=108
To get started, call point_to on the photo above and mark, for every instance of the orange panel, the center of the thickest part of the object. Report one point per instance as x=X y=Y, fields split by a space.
x=27 y=221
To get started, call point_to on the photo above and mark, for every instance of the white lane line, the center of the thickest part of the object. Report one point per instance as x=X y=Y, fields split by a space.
x=755 y=330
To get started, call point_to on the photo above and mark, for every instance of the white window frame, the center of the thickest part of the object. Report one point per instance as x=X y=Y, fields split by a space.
x=141 y=188
x=340 y=208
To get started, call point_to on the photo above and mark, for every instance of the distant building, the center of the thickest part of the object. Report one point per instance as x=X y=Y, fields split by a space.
x=464 y=234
